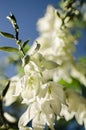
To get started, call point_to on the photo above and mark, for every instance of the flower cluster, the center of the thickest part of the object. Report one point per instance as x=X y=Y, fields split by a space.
x=48 y=61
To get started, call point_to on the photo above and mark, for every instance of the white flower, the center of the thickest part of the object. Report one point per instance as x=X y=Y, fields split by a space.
x=31 y=88
x=42 y=110
x=28 y=87
x=55 y=44
x=53 y=93
x=42 y=62
x=9 y=97
x=57 y=73
x=29 y=84
x=68 y=115
x=47 y=23
x=76 y=106
x=25 y=128
x=30 y=68
x=78 y=71
x=50 y=60
x=40 y=114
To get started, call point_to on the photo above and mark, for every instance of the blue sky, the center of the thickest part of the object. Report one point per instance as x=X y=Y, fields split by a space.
x=27 y=13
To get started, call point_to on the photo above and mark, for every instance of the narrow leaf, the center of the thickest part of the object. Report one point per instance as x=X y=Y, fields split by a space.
x=9 y=49
x=8 y=35
x=58 y=14
x=6 y=89
x=25 y=43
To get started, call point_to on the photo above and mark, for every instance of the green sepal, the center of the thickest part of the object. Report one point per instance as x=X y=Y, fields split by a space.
x=25 y=43
x=26 y=46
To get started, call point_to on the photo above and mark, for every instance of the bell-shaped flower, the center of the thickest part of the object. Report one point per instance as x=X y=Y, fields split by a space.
x=76 y=107
x=53 y=93
x=40 y=113
x=44 y=107
x=28 y=87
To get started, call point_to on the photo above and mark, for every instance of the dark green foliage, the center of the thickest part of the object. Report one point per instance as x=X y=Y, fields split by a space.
x=7 y=35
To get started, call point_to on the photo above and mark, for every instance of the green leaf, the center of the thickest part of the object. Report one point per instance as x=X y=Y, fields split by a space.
x=82 y=60
x=26 y=46
x=74 y=84
x=25 y=43
x=8 y=35
x=9 y=49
